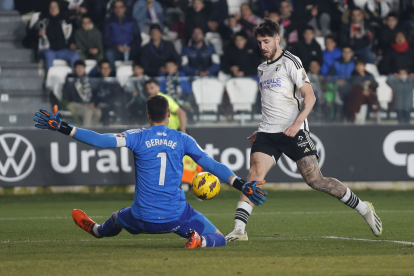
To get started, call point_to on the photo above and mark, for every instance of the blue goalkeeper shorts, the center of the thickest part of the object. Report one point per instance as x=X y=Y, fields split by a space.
x=190 y=219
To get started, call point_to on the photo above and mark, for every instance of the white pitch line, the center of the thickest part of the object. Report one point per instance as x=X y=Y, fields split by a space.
x=178 y=239
x=220 y=214
x=355 y=239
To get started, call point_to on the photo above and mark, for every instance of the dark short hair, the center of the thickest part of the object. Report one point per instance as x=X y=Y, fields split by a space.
x=155 y=27
x=315 y=60
x=308 y=28
x=400 y=32
x=79 y=62
x=157 y=107
x=86 y=16
x=274 y=11
x=151 y=81
x=330 y=37
x=171 y=60
x=346 y=46
x=360 y=60
x=392 y=14
x=101 y=62
x=137 y=64
x=266 y=28
x=241 y=33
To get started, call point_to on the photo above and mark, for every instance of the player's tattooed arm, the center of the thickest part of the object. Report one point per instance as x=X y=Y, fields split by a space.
x=309 y=169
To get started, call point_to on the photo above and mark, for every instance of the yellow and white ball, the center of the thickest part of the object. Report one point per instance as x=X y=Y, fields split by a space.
x=205 y=186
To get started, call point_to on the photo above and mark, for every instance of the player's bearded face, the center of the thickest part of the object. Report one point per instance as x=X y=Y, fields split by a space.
x=268 y=46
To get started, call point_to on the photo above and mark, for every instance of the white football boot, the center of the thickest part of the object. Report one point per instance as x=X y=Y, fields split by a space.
x=237 y=235
x=373 y=220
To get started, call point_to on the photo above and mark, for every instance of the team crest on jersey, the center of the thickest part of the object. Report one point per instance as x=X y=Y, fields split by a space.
x=303 y=74
x=278 y=67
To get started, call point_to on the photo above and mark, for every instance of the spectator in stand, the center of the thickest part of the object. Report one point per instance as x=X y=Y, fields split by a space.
x=199 y=58
x=175 y=15
x=406 y=14
x=403 y=85
x=176 y=85
x=377 y=10
x=76 y=10
x=388 y=32
x=219 y=13
x=331 y=53
x=317 y=82
x=339 y=75
x=266 y=6
x=236 y=66
x=293 y=22
x=147 y=13
x=308 y=49
x=156 y=52
x=228 y=29
x=88 y=41
x=196 y=17
x=359 y=35
x=55 y=37
x=77 y=94
x=247 y=19
x=136 y=97
x=103 y=9
x=122 y=36
x=400 y=56
x=109 y=94
x=363 y=91
x=178 y=117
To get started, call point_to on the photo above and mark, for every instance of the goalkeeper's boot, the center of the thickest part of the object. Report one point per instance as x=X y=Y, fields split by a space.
x=83 y=221
x=237 y=235
x=373 y=220
x=194 y=240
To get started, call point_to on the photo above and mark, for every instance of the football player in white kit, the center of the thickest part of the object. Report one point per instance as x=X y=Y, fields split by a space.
x=287 y=99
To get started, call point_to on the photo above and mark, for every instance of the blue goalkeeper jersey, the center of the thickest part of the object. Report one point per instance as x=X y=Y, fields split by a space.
x=158 y=153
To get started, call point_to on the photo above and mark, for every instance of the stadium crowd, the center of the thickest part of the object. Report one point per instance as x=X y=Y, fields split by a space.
x=187 y=39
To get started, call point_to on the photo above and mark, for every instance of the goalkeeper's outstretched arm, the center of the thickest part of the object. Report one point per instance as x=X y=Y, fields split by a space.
x=45 y=120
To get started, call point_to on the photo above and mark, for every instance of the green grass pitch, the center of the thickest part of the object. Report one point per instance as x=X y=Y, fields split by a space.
x=294 y=233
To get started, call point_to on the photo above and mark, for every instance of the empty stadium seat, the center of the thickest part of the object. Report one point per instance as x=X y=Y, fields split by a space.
x=90 y=64
x=123 y=73
x=242 y=93
x=60 y=62
x=223 y=77
x=55 y=79
x=384 y=92
x=208 y=94
x=145 y=39
x=321 y=42
x=372 y=68
x=119 y=63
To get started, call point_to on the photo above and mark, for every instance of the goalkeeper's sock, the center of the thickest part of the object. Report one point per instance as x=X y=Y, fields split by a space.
x=354 y=202
x=107 y=229
x=213 y=240
x=242 y=215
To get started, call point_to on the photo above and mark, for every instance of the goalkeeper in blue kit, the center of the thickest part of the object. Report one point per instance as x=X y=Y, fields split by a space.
x=159 y=206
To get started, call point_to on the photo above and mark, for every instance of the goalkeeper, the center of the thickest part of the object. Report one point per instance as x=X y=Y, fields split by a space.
x=159 y=206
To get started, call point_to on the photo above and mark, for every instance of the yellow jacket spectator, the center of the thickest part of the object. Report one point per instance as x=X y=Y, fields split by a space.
x=178 y=118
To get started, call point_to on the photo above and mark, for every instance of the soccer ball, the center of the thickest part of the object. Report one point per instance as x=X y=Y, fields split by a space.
x=205 y=186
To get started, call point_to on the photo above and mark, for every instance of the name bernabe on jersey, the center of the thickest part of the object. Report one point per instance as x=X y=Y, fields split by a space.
x=270 y=83
x=160 y=142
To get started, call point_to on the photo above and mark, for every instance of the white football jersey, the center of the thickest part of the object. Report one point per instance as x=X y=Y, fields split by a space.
x=282 y=101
